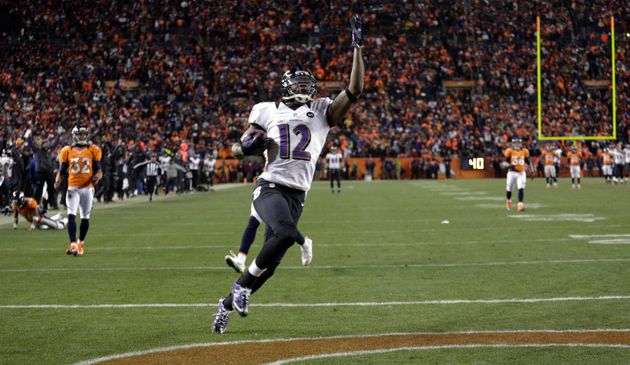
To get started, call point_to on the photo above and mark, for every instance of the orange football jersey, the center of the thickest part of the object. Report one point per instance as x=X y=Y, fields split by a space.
x=574 y=158
x=80 y=162
x=517 y=158
x=548 y=158
x=28 y=210
x=606 y=158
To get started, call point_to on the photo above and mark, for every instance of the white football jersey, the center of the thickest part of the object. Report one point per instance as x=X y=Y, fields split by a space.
x=334 y=160
x=619 y=157
x=299 y=135
x=6 y=166
x=627 y=150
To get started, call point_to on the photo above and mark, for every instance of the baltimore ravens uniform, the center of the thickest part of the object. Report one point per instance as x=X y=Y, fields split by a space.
x=293 y=133
x=299 y=136
x=333 y=159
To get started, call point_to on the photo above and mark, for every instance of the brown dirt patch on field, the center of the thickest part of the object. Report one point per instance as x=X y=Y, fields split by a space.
x=263 y=352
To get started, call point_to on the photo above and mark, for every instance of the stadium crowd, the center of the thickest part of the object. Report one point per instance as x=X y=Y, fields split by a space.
x=177 y=78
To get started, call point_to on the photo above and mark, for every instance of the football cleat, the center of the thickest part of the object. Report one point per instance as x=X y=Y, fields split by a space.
x=240 y=299
x=520 y=207
x=221 y=318
x=80 y=248
x=232 y=260
x=72 y=249
x=307 y=251
x=508 y=205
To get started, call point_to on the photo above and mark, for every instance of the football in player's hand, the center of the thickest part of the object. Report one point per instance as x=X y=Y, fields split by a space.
x=255 y=142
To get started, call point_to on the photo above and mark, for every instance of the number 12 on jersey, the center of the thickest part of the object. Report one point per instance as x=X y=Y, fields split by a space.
x=299 y=152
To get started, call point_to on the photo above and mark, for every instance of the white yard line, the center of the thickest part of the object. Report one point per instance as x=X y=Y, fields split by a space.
x=321 y=267
x=228 y=245
x=589 y=236
x=319 y=305
x=604 y=239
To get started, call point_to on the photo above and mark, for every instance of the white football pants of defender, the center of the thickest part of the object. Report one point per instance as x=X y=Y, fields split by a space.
x=50 y=223
x=575 y=171
x=515 y=177
x=550 y=171
x=80 y=199
x=607 y=170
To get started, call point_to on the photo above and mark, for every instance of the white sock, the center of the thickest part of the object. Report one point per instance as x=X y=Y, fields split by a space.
x=255 y=270
x=241 y=257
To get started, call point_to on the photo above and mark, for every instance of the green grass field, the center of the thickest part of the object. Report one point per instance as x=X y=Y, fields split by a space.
x=380 y=243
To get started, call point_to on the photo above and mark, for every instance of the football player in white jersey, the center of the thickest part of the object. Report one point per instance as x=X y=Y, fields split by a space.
x=334 y=159
x=293 y=132
x=619 y=158
x=627 y=154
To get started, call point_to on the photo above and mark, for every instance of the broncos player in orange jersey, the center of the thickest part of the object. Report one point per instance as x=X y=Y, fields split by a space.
x=607 y=164
x=548 y=155
x=82 y=162
x=575 y=160
x=32 y=212
x=517 y=157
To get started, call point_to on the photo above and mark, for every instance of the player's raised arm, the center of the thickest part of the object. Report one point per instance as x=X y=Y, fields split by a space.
x=342 y=103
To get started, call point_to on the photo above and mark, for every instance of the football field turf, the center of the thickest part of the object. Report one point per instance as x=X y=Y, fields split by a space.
x=385 y=261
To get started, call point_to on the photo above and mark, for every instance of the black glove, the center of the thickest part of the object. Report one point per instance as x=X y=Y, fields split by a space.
x=357 y=38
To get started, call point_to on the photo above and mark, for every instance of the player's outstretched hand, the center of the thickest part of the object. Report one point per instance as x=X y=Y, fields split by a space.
x=357 y=38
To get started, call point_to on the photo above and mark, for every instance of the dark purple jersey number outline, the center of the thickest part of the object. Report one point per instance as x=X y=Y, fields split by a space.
x=299 y=153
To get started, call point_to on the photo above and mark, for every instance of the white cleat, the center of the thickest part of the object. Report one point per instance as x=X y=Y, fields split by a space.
x=307 y=251
x=232 y=260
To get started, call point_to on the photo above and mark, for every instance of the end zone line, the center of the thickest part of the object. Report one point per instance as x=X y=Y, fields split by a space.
x=338 y=337
x=442 y=347
x=313 y=305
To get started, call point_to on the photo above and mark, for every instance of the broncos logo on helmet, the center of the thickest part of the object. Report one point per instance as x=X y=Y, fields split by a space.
x=80 y=135
x=18 y=198
x=298 y=84
x=516 y=143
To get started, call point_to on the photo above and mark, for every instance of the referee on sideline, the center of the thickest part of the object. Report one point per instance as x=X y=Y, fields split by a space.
x=152 y=170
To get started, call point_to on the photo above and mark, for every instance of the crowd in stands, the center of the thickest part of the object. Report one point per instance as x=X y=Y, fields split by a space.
x=178 y=77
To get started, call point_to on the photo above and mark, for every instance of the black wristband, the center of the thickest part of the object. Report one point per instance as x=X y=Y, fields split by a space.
x=353 y=98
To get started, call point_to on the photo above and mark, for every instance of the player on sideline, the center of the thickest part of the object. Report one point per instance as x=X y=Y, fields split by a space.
x=575 y=159
x=294 y=131
x=517 y=157
x=334 y=158
x=32 y=212
x=607 y=164
x=627 y=154
x=550 y=166
x=82 y=162
x=619 y=159
x=237 y=262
